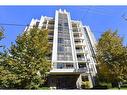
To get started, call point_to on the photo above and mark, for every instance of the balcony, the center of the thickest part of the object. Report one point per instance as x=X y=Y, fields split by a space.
x=81 y=59
x=83 y=70
x=51 y=22
x=51 y=25
x=51 y=28
x=62 y=67
x=50 y=42
x=62 y=71
x=50 y=35
x=77 y=32
x=78 y=37
x=79 y=51
x=79 y=44
x=74 y=25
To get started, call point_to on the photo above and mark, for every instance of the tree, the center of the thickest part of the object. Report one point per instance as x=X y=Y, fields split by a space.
x=26 y=65
x=111 y=55
x=1 y=34
x=5 y=74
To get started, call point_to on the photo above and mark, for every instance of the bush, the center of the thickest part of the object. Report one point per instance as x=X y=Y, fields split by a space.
x=103 y=86
x=85 y=84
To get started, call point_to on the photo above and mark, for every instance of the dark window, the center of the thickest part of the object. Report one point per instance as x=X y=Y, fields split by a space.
x=69 y=65
x=60 y=65
x=60 y=28
x=65 y=24
x=59 y=24
x=60 y=40
x=82 y=65
x=60 y=48
x=37 y=23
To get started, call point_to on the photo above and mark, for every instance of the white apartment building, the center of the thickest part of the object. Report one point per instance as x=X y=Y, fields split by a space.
x=73 y=50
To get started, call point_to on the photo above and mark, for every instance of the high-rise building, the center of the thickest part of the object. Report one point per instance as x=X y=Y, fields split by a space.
x=73 y=50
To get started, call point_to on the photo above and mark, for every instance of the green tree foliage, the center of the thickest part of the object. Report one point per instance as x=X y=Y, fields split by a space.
x=1 y=33
x=112 y=58
x=26 y=65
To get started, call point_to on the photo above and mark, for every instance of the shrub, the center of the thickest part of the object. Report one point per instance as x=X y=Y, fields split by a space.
x=85 y=84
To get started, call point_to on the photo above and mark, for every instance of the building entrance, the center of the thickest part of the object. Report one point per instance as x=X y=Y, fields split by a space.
x=65 y=82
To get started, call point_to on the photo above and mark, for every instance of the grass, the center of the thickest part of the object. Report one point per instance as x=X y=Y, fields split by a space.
x=117 y=89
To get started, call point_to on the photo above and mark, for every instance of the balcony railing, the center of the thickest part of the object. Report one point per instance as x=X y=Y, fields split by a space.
x=49 y=25
x=50 y=35
x=79 y=43
x=83 y=70
x=77 y=32
x=81 y=59
x=79 y=51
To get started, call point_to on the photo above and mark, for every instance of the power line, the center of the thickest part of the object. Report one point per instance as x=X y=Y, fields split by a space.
x=27 y=25
x=12 y=24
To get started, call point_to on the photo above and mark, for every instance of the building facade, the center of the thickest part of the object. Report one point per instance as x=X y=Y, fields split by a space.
x=73 y=50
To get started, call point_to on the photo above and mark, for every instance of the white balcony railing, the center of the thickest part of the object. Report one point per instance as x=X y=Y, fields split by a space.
x=83 y=70
x=79 y=51
x=81 y=59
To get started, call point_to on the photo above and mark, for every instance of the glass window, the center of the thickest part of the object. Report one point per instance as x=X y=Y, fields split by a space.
x=59 y=24
x=60 y=34
x=60 y=40
x=82 y=65
x=68 y=49
x=69 y=65
x=60 y=48
x=60 y=28
x=37 y=23
x=65 y=24
x=67 y=42
x=60 y=54
x=60 y=65
x=68 y=56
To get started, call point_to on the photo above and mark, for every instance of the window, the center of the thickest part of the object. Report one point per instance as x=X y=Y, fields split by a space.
x=64 y=65
x=69 y=65
x=68 y=56
x=37 y=23
x=65 y=24
x=59 y=24
x=68 y=49
x=60 y=34
x=66 y=29
x=67 y=42
x=78 y=48
x=60 y=65
x=45 y=22
x=60 y=48
x=60 y=28
x=61 y=55
x=79 y=56
x=60 y=40
x=82 y=65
